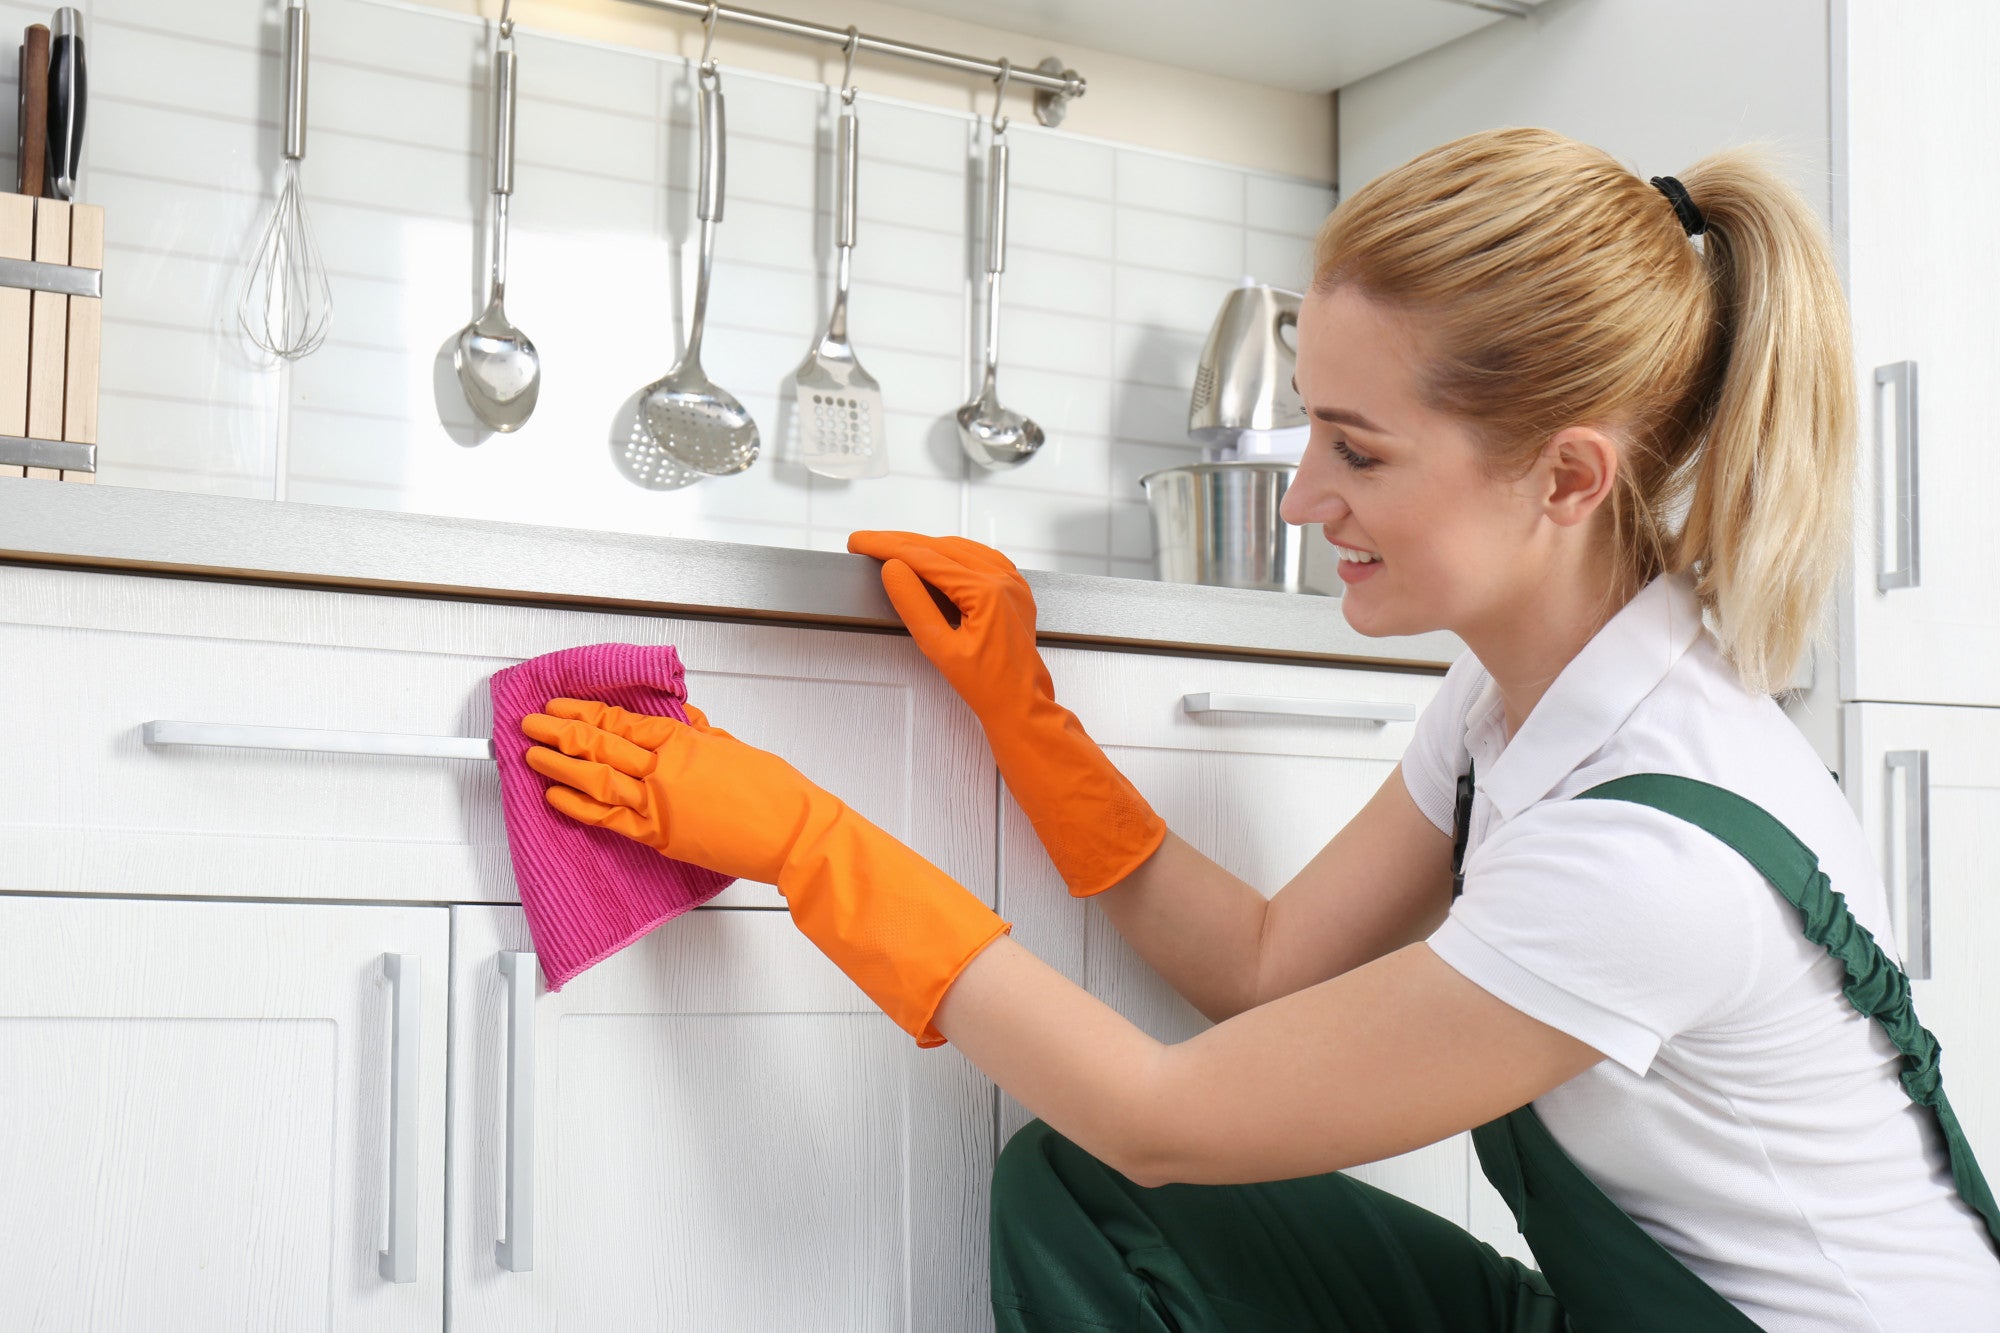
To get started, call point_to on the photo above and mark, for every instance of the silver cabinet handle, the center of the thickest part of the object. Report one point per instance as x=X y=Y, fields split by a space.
x=1346 y=710
x=516 y=1250
x=1907 y=544
x=305 y=738
x=405 y=972
x=1916 y=765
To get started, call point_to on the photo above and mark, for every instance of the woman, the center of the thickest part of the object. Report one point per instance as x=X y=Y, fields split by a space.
x=1550 y=420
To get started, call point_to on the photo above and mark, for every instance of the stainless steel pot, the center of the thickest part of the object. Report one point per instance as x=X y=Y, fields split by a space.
x=1218 y=524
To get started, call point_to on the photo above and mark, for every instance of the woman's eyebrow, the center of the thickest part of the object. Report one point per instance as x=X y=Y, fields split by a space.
x=1341 y=416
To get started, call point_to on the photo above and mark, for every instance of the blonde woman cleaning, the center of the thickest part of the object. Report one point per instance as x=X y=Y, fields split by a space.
x=1560 y=411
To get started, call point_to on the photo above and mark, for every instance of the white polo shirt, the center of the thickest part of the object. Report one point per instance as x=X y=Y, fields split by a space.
x=1748 y=1117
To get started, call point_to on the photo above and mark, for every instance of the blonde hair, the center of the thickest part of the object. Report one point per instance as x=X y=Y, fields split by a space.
x=1552 y=287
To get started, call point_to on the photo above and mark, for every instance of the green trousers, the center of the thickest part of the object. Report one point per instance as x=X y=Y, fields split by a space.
x=1076 y=1246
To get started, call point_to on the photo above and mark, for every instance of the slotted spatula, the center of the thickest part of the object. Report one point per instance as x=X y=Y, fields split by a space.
x=839 y=404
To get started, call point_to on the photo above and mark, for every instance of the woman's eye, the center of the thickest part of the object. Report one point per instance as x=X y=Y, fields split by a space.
x=1356 y=461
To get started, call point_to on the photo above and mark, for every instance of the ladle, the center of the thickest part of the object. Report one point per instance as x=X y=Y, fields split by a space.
x=990 y=434
x=497 y=366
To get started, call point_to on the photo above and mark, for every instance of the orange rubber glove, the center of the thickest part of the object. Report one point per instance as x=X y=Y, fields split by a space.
x=1095 y=825
x=897 y=925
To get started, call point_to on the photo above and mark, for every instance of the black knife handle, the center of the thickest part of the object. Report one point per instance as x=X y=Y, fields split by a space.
x=67 y=82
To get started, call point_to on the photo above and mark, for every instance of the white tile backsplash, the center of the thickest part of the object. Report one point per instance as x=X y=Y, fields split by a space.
x=1117 y=261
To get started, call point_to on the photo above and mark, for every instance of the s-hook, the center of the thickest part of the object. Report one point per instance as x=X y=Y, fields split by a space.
x=506 y=20
x=1000 y=92
x=847 y=70
x=706 y=69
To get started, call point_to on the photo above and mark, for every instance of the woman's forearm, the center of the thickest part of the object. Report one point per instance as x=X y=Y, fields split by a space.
x=1200 y=927
x=1061 y=1052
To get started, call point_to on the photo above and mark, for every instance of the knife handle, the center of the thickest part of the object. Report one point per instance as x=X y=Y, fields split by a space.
x=66 y=83
x=33 y=122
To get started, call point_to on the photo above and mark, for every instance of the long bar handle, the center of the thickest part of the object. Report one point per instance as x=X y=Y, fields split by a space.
x=1916 y=766
x=709 y=201
x=1339 y=709
x=298 y=34
x=849 y=152
x=504 y=97
x=1908 y=543
x=996 y=206
x=244 y=737
x=405 y=973
x=516 y=1249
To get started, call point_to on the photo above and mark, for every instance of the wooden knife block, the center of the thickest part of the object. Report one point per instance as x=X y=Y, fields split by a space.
x=49 y=341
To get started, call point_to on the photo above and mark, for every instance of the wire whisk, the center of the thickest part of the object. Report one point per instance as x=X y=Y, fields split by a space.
x=287 y=305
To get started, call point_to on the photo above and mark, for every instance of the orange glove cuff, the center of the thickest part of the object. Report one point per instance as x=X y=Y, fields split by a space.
x=899 y=927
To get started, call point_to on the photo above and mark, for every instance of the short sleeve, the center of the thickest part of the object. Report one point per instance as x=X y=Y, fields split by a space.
x=1436 y=753
x=1616 y=923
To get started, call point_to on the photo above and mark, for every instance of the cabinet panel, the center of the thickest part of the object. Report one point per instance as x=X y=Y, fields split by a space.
x=1919 y=99
x=196 y=1116
x=726 y=1135
x=1260 y=792
x=86 y=807
x=1959 y=805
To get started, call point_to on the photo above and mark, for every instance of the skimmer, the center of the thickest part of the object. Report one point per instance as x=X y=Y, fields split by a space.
x=691 y=419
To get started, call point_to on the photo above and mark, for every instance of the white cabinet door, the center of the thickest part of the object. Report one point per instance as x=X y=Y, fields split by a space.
x=1928 y=778
x=1260 y=792
x=220 y=1115
x=723 y=1134
x=1916 y=116
x=87 y=806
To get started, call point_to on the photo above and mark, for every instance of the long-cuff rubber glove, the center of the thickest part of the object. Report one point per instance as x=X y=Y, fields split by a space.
x=1095 y=825
x=897 y=925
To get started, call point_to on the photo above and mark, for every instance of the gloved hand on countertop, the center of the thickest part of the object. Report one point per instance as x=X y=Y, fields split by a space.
x=1093 y=822
x=894 y=923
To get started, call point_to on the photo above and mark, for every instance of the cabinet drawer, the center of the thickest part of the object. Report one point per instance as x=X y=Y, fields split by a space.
x=86 y=806
x=1163 y=701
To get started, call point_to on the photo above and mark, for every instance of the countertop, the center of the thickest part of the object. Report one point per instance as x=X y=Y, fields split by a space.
x=49 y=522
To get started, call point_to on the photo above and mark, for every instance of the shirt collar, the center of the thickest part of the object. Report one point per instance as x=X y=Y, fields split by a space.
x=1590 y=699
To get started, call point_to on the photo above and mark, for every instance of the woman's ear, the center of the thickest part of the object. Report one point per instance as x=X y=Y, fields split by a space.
x=1579 y=464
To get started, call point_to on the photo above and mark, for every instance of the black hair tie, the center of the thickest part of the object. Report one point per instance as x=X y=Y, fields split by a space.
x=1691 y=219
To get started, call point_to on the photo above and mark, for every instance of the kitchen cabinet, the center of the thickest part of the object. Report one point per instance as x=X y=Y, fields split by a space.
x=1912 y=99
x=1274 y=761
x=712 y=1129
x=1925 y=782
x=222 y=1115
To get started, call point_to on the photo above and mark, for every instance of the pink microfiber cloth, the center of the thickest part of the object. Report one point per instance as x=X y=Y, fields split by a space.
x=588 y=892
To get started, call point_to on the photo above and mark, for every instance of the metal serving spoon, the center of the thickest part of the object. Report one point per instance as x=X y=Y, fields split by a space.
x=990 y=434
x=497 y=366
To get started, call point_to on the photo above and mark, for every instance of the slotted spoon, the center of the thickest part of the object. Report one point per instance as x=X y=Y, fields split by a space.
x=690 y=418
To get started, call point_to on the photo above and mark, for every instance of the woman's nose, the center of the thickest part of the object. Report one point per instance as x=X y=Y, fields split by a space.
x=1311 y=498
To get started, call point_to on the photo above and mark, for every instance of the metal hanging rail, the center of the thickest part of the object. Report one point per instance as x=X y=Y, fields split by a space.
x=1054 y=86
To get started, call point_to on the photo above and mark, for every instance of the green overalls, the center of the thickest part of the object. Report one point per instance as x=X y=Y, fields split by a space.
x=1076 y=1246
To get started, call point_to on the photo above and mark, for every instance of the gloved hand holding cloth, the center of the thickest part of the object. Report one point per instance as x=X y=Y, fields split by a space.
x=894 y=923
x=1093 y=822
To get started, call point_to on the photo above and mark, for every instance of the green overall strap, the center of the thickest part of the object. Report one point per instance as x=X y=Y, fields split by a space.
x=1877 y=985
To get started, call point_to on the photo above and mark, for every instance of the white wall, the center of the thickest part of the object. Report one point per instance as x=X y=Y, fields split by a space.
x=1118 y=259
x=1655 y=84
